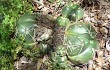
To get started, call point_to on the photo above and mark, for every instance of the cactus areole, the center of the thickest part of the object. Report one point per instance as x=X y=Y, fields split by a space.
x=25 y=28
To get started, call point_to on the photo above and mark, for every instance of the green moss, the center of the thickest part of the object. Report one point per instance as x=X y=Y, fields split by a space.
x=11 y=11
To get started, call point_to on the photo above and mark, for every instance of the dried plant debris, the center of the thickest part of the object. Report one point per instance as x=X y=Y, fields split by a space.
x=100 y=18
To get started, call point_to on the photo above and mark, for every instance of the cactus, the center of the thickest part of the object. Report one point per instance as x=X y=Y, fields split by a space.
x=59 y=59
x=24 y=28
x=73 y=41
x=80 y=44
x=73 y=11
x=77 y=37
x=62 y=21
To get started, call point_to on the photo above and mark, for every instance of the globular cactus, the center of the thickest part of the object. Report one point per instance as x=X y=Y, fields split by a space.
x=25 y=28
x=62 y=21
x=59 y=59
x=78 y=37
x=73 y=11
x=29 y=29
x=80 y=43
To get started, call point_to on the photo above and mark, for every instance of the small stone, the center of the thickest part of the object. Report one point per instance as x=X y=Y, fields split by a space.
x=103 y=30
x=108 y=16
x=97 y=68
x=87 y=19
x=100 y=53
x=108 y=45
x=93 y=20
x=102 y=42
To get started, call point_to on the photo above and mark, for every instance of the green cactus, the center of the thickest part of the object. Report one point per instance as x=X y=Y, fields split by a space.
x=25 y=27
x=83 y=57
x=79 y=37
x=68 y=9
x=79 y=13
x=73 y=12
x=78 y=41
x=59 y=59
x=62 y=21
x=73 y=41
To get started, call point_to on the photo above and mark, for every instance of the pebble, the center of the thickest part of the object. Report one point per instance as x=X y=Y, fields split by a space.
x=108 y=45
x=108 y=16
